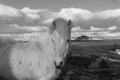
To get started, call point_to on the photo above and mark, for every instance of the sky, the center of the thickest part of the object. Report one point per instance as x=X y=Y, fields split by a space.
x=99 y=19
x=56 y=5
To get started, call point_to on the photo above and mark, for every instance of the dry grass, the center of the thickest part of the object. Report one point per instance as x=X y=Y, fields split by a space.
x=77 y=64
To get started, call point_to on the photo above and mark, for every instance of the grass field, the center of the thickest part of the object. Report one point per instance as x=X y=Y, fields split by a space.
x=85 y=54
x=96 y=42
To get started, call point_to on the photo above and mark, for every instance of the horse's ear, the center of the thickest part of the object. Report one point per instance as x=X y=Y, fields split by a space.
x=70 y=24
x=52 y=27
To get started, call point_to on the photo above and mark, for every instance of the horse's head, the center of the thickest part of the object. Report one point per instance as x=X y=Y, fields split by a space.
x=61 y=34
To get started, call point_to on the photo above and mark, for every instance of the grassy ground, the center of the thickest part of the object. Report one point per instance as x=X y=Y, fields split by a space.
x=86 y=61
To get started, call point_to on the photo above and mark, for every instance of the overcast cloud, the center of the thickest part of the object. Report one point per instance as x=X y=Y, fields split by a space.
x=103 y=24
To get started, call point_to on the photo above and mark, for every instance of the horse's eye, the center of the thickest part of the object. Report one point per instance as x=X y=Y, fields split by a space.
x=68 y=40
x=52 y=40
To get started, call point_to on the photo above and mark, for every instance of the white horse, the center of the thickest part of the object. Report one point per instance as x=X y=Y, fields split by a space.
x=39 y=58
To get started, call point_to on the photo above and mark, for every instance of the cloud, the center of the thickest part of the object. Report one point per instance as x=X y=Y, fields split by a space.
x=25 y=17
x=102 y=24
x=112 y=28
x=96 y=29
x=97 y=34
x=8 y=11
x=80 y=17
x=37 y=13
x=86 y=18
x=31 y=13
x=30 y=28
x=75 y=29
x=72 y=13
x=108 y=14
x=108 y=35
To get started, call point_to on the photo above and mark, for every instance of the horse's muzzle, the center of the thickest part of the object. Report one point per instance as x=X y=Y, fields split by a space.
x=58 y=66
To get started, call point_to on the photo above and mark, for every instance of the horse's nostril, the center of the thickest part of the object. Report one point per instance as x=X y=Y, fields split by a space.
x=59 y=66
x=61 y=63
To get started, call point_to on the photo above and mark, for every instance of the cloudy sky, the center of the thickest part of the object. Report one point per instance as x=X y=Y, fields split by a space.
x=56 y=5
x=95 y=18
